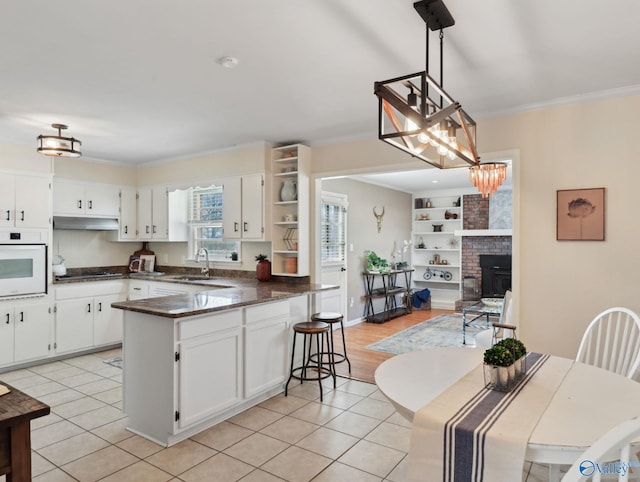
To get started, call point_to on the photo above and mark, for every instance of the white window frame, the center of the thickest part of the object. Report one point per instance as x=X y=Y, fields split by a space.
x=220 y=250
x=340 y=238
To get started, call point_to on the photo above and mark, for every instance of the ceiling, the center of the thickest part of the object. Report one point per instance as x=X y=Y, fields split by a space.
x=138 y=81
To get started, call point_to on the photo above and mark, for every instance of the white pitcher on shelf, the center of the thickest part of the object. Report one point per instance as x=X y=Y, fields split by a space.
x=289 y=191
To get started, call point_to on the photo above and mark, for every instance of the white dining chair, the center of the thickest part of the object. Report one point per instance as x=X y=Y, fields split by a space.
x=612 y=341
x=504 y=328
x=600 y=459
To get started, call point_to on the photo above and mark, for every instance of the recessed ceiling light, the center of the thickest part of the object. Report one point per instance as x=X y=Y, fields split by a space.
x=228 y=62
x=435 y=181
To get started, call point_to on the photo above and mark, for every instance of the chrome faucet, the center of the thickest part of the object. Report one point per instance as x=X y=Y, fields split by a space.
x=205 y=269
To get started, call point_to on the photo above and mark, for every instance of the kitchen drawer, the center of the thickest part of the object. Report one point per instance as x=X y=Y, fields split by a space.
x=211 y=323
x=90 y=289
x=267 y=311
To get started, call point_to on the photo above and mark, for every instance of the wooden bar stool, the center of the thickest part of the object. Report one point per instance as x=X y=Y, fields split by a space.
x=332 y=318
x=309 y=330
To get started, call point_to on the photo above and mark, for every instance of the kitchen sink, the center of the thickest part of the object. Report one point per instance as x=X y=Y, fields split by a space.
x=192 y=277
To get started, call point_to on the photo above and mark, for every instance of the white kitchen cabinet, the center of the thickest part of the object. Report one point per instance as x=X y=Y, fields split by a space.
x=107 y=322
x=157 y=289
x=243 y=207
x=25 y=201
x=197 y=365
x=162 y=215
x=72 y=198
x=74 y=325
x=128 y=216
x=266 y=344
x=84 y=317
x=138 y=289
x=24 y=331
x=210 y=375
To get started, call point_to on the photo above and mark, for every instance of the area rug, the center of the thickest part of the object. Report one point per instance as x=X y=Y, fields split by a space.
x=115 y=362
x=439 y=332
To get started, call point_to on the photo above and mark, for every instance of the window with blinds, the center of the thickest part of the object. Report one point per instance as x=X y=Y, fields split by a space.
x=333 y=233
x=205 y=223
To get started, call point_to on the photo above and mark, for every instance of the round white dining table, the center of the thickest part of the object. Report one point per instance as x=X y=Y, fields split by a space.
x=588 y=402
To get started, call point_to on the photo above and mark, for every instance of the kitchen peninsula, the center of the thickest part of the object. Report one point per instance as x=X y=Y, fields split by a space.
x=193 y=360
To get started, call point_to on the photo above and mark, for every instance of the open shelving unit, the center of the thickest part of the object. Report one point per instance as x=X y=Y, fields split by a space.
x=290 y=217
x=436 y=253
x=382 y=291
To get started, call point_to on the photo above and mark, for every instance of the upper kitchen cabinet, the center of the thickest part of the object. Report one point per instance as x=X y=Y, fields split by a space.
x=162 y=215
x=290 y=167
x=25 y=200
x=73 y=198
x=243 y=207
x=128 y=225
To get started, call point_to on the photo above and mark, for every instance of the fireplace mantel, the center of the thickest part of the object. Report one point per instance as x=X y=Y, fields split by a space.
x=482 y=232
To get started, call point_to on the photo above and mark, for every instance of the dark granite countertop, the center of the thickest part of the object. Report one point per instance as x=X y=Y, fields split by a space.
x=234 y=293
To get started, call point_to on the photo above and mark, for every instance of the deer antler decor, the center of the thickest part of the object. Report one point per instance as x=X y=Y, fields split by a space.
x=378 y=217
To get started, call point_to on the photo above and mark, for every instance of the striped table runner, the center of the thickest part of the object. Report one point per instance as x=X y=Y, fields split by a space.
x=472 y=434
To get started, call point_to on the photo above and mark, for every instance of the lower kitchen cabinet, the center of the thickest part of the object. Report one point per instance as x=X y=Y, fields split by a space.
x=25 y=330
x=183 y=375
x=265 y=346
x=84 y=317
x=210 y=371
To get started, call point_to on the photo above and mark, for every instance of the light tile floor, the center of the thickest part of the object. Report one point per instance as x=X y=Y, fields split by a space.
x=354 y=434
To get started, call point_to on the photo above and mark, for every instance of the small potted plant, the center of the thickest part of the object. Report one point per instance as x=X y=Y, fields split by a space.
x=519 y=351
x=263 y=268
x=376 y=264
x=497 y=361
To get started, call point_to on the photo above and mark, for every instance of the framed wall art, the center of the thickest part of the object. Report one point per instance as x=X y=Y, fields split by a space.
x=580 y=214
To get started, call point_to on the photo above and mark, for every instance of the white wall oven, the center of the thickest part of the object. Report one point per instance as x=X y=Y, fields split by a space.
x=23 y=270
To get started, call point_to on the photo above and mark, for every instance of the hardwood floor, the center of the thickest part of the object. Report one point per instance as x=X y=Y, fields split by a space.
x=364 y=362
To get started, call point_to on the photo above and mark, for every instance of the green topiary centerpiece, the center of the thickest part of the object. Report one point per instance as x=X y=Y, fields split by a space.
x=504 y=364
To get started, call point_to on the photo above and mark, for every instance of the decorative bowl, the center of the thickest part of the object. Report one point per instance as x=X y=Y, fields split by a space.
x=493 y=302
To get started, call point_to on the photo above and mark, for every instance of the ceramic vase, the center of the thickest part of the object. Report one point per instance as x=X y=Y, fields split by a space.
x=263 y=270
x=289 y=191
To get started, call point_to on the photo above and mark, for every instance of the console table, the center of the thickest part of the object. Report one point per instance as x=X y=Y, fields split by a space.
x=389 y=285
x=17 y=409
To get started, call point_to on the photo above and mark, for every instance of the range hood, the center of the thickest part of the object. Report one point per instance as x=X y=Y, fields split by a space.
x=85 y=224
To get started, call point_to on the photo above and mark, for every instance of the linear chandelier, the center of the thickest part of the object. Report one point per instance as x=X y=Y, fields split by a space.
x=59 y=145
x=416 y=114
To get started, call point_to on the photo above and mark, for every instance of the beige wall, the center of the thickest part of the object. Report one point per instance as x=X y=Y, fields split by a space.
x=20 y=158
x=229 y=162
x=563 y=285
x=83 y=170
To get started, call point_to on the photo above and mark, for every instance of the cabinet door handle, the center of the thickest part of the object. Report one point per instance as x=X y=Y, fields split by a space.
x=22 y=316
x=8 y=215
x=147 y=228
x=235 y=227
x=154 y=229
x=246 y=227
x=21 y=215
x=88 y=307
x=7 y=322
x=126 y=229
x=79 y=203
x=90 y=204
x=100 y=307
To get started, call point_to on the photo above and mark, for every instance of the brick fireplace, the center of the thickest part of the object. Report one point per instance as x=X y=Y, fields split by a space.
x=476 y=216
